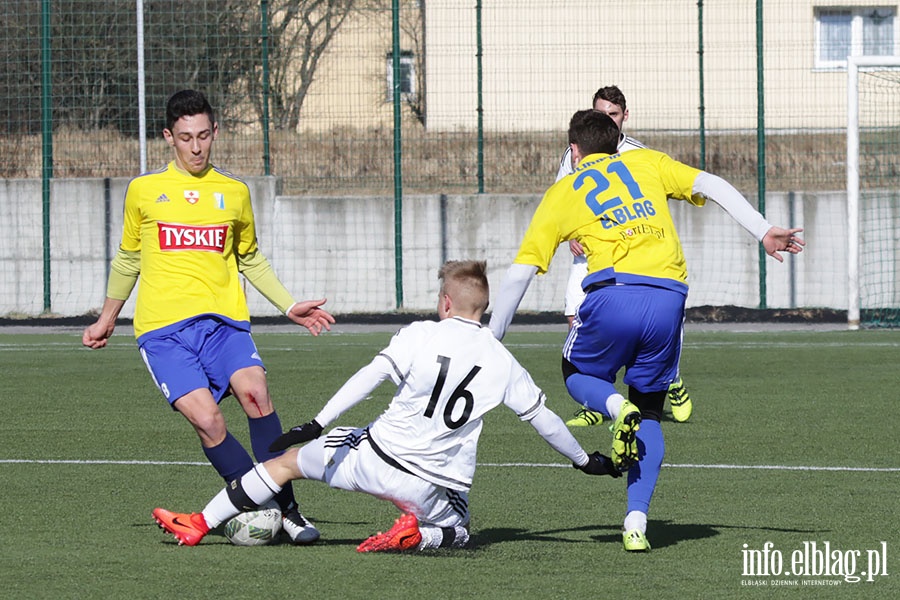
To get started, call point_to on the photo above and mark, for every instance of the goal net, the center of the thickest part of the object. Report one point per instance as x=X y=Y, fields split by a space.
x=873 y=191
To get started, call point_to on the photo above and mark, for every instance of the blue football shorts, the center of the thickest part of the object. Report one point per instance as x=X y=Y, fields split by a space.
x=638 y=327
x=205 y=353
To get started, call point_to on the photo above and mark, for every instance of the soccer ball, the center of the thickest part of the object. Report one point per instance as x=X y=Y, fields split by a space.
x=254 y=528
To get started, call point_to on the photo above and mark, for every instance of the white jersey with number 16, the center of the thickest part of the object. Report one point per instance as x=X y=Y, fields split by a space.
x=450 y=373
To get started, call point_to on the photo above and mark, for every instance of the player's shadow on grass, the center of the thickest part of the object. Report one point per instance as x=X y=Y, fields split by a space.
x=499 y=535
x=667 y=533
x=661 y=533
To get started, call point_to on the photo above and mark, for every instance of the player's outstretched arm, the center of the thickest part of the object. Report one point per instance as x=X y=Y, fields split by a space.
x=774 y=239
x=550 y=427
x=598 y=464
x=778 y=239
x=259 y=272
x=309 y=314
x=355 y=390
x=513 y=287
x=296 y=435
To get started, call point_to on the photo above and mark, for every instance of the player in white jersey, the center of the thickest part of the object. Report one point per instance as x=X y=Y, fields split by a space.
x=611 y=101
x=420 y=453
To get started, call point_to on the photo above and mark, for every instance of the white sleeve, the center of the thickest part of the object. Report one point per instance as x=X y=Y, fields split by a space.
x=356 y=389
x=565 y=164
x=513 y=287
x=725 y=195
x=548 y=424
x=574 y=293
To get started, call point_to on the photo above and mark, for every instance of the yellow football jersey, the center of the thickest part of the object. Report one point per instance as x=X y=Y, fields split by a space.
x=188 y=230
x=617 y=207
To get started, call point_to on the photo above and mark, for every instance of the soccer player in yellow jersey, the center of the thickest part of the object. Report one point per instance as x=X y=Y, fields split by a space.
x=616 y=206
x=611 y=101
x=188 y=233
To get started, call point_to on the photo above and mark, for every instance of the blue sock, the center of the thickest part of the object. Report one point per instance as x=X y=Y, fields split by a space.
x=263 y=431
x=229 y=458
x=590 y=392
x=642 y=476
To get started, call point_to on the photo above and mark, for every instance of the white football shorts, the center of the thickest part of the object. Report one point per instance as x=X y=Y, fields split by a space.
x=345 y=459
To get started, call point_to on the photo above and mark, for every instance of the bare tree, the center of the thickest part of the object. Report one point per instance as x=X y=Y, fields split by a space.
x=412 y=39
x=299 y=33
x=412 y=24
x=20 y=75
x=210 y=45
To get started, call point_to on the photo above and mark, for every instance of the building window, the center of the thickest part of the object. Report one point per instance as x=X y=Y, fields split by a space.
x=863 y=31
x=406 y=78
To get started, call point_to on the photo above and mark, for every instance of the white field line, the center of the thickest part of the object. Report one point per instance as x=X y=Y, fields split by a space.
x=485 y=465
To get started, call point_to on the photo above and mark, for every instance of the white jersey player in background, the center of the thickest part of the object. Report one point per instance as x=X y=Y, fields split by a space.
x=611 y=101
x=420 y=453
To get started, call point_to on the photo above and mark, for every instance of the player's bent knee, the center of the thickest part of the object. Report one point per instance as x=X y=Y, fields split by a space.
x=210 y=428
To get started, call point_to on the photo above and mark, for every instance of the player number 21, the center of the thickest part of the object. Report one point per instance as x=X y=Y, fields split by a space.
x=460 y=394
x=602 y=184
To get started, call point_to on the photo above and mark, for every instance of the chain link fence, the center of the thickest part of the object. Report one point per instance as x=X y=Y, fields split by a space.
x=378 y=98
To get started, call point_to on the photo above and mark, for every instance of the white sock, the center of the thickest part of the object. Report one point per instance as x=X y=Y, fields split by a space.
x=614 y=405
x=257 y=484
x=635 y=520
x=462 y=538
x=219 y=510
x=433 y=537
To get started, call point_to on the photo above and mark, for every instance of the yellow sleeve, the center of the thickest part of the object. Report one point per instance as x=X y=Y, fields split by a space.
x=131 y=227
x=259 y=272
x=678 y=179
x=246 y=227
x=542 y=238
x=123 y=274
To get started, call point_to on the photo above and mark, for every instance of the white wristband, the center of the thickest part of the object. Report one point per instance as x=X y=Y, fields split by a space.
x=289 y=309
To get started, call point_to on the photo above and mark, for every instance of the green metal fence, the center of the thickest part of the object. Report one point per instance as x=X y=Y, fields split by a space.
x=279 y=72
x=401 y=97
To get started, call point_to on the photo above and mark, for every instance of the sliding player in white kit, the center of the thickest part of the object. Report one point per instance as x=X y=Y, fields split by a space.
x=610 y=101
x=420 y=453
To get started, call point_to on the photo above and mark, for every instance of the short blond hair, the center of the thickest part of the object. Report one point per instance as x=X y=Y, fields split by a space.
x=466 y=282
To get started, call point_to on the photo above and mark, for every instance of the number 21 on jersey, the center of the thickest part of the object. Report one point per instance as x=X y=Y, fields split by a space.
x=614 y=211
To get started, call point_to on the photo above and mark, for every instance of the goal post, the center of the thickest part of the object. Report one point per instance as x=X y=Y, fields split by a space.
x=879 y=122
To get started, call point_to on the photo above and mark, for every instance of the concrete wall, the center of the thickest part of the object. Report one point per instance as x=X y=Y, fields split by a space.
x=342 y=248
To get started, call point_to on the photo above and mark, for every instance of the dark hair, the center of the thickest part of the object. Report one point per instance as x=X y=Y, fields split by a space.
x=593 y=132
x=187 y=103
x=612 y=94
